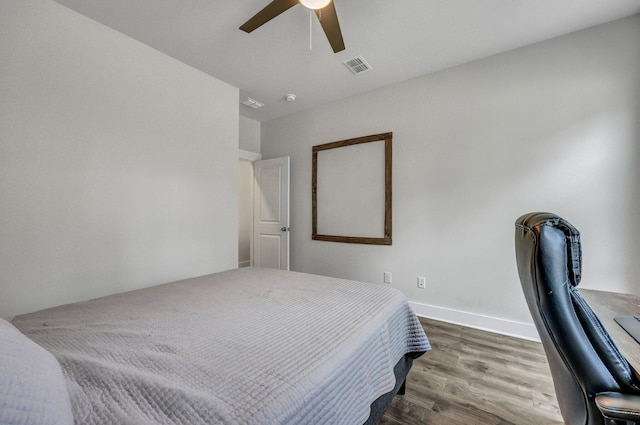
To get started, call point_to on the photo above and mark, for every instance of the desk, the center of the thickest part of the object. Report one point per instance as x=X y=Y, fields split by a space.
x=608 y=305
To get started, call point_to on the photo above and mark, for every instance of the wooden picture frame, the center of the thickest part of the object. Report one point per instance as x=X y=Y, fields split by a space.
x=351 y=190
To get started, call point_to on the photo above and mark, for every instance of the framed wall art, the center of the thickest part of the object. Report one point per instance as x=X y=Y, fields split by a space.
x=351 y=190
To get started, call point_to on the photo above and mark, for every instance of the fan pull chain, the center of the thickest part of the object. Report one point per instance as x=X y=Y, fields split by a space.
x=310 y=30
x=311 y=26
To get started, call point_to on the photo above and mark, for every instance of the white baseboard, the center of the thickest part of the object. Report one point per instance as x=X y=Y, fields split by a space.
x=486 y=323
x=242 y=264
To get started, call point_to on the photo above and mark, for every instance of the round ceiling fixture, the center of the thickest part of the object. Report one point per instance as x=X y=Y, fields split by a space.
x=315 y=4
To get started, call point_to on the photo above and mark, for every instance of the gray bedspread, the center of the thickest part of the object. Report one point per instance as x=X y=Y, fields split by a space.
x=248 y=346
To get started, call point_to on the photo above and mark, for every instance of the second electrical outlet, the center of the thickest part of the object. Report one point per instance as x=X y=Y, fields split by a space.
x=422 y=282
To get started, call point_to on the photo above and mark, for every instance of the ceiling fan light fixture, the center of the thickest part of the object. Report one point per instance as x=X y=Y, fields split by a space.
x=325 y=11
x=315 y=4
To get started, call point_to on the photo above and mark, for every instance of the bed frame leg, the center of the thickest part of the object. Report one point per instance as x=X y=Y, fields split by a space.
x=403 y=388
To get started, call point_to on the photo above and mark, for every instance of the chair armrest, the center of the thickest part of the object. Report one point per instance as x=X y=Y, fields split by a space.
x=618 y=406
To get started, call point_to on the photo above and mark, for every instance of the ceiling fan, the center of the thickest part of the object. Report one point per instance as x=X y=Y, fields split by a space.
x=324 y=9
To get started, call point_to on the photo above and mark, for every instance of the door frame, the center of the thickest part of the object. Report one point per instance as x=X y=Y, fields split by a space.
x=251 y=157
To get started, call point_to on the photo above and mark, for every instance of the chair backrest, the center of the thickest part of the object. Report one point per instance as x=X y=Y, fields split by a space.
x=582 y=357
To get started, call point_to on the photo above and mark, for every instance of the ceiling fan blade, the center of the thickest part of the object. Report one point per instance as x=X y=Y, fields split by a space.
x=272 y=10
x=328 y=18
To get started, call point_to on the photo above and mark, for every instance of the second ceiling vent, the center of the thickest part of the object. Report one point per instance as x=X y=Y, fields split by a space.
x=357 y=65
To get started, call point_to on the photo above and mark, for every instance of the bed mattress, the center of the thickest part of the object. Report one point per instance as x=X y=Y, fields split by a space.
x=247 y=346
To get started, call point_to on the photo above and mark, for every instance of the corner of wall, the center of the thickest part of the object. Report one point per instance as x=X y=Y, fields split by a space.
x=250 y=137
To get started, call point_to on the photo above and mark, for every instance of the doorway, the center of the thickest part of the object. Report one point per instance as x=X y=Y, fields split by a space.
x=263 y=213
x=245 y=212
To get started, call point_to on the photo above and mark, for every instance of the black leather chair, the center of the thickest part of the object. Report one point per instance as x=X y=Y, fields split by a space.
x=594 y=383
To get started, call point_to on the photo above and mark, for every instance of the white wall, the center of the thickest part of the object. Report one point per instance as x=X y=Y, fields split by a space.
x=118 y=164
x=249 y=134
x=551 y=127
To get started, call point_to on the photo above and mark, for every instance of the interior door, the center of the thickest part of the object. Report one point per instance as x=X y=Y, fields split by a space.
x=271 y=213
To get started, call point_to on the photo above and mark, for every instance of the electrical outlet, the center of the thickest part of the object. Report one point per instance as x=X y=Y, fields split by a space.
x=387 y=277
x=422 y=282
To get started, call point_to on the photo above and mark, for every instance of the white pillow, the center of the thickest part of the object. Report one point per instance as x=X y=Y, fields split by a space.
x=32 y=387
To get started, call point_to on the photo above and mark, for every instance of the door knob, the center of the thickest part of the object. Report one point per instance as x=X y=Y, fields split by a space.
x=285 y=229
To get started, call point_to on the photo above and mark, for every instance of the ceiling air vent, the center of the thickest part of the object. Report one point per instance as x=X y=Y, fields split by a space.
x=252 y=103
x=357 y=65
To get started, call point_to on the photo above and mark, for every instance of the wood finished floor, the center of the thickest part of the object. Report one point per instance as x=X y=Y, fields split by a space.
x=476 y=377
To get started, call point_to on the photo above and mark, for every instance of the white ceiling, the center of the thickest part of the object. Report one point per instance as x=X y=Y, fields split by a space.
x=400 y=39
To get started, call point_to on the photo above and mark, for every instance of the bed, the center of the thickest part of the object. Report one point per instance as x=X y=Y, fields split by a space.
x=247 y=346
